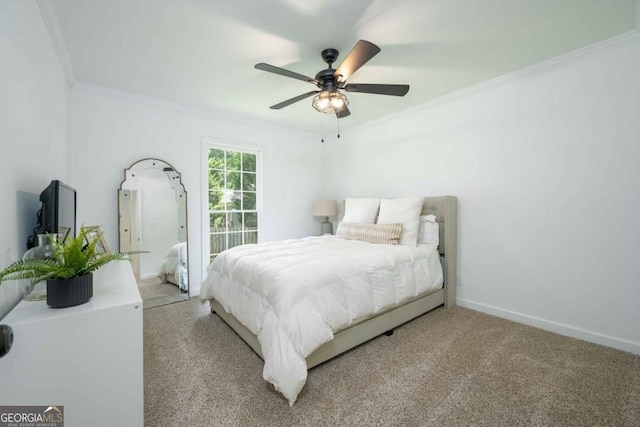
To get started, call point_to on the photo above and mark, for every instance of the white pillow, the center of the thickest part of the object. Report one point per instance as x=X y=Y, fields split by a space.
x=404 y=210
x=361 y=210
x=429 y=231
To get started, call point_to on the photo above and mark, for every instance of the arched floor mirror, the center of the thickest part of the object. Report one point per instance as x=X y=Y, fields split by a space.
x=152 y=217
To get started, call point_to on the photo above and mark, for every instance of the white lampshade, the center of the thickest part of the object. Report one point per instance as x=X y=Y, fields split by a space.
x=325 y=208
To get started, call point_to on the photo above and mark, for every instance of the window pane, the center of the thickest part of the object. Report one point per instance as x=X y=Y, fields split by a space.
x=227 y=200
x=234 y=221
x=216 y=201
x=216 y=222
x=249 y=202
x=250 y=237
x=235 y=239
x=236 y=201
x=218 y=243
x=251 y=221
x=249 y=181
x=248 y=162
x=216 y=179
x=233 y=160
x=233 y=180
x=216 y=159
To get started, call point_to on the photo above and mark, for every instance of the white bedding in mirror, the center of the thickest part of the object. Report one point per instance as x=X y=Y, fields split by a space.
x=174 y=266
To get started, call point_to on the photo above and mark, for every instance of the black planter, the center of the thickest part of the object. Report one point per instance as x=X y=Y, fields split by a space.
x=69 y=292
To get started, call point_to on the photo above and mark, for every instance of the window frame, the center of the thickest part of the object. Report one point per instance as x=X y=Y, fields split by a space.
x=208 y=144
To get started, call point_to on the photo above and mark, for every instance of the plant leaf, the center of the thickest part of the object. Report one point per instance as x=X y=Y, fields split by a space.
x=70 y=259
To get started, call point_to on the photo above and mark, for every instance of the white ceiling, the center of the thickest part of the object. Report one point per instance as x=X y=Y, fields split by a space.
x=201 y=53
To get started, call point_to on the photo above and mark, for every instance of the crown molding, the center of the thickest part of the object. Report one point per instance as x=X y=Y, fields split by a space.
x=240 y=120
x=628 y=37
x=50 y=17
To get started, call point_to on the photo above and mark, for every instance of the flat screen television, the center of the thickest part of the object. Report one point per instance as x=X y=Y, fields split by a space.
x=58 y=212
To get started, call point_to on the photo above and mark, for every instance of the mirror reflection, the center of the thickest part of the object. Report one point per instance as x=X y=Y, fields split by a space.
x=152 y=205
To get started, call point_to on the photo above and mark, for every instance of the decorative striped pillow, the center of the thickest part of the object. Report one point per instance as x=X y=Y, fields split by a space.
x=388 y=234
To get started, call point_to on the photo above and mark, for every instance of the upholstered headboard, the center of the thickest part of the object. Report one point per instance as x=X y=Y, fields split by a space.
x=445 y=208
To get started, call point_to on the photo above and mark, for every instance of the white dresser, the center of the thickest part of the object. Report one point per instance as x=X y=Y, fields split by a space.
x=86 y=358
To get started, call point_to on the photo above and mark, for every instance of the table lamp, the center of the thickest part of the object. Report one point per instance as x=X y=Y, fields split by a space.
x=325 y=208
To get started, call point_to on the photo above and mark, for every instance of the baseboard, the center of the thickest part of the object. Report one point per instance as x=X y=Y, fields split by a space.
x=193 y=291
x=559 y=328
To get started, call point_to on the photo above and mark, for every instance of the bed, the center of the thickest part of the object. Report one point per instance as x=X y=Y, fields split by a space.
x=290 y=346
x=174 y=266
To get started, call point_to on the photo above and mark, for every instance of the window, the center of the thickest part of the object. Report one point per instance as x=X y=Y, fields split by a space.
x=233 y=198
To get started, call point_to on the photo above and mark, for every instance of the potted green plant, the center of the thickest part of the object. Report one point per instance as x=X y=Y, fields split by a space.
x=69 y=273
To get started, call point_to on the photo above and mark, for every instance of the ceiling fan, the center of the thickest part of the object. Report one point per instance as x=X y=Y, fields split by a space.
x=329 y=99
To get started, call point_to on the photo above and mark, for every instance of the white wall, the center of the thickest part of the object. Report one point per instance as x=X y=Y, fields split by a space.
x=545 y=166
x=109 y=131
x=33 y=122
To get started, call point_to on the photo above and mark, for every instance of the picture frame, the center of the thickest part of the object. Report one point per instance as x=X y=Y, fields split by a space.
x=90 y=234
x=63 y=233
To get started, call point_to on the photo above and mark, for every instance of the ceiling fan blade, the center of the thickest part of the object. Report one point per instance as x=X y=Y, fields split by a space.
x=292 y=100
x=281 y=71
x=344 y=113
x=362 y=52
x=395 y=90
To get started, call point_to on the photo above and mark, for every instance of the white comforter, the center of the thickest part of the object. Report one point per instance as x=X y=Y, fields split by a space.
x=294 y=294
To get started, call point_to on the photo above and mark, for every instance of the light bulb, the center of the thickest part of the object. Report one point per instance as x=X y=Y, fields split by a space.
x=330 y=102
x=337 y=102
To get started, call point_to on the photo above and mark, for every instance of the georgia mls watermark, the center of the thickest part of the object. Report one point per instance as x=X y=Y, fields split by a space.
x=32 y=416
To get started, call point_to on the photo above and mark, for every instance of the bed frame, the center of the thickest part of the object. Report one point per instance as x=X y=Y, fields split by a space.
x=446 y=211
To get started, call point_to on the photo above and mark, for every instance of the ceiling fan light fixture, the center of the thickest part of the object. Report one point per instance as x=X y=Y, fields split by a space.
x=330 y=102
x=328 y=99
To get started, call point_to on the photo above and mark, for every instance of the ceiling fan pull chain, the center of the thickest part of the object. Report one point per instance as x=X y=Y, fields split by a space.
x=322 y=130
x=338 y=128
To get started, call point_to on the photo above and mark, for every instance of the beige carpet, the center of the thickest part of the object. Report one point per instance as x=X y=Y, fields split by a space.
x=452 y=367
x=156 y=288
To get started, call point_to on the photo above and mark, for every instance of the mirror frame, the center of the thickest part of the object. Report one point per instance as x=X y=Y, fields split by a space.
x=124 y=227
